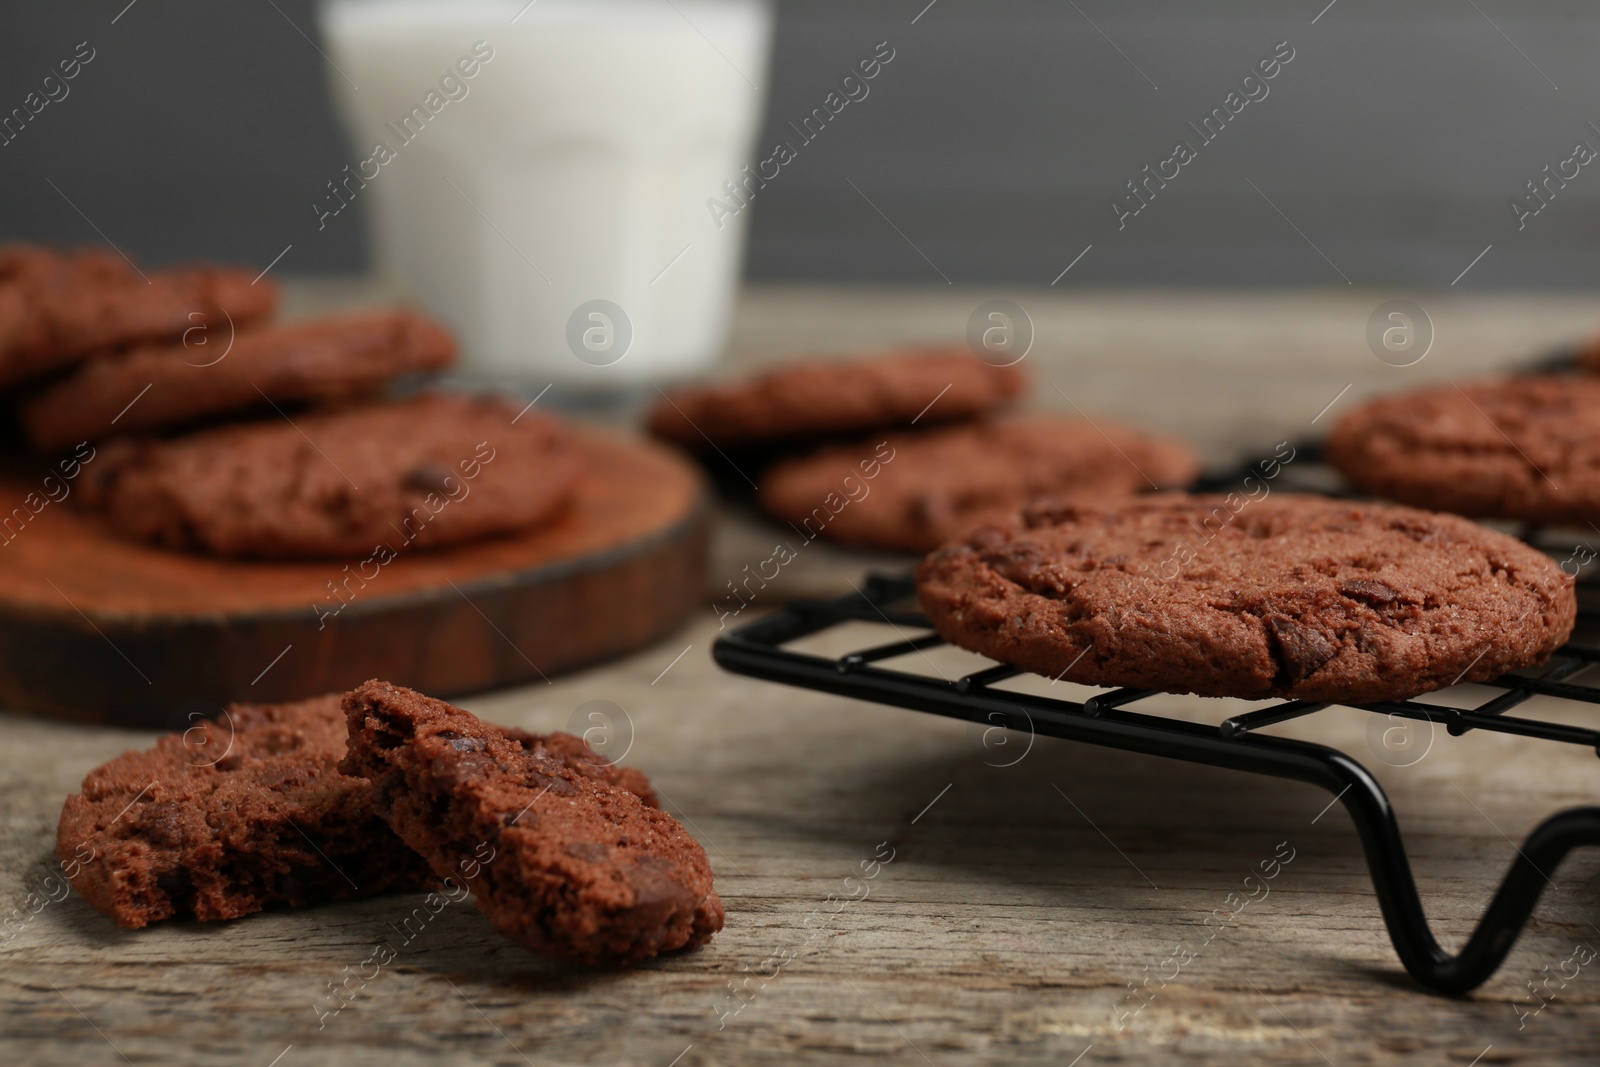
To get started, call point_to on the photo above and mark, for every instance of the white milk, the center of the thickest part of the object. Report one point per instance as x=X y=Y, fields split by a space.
x=583 y=148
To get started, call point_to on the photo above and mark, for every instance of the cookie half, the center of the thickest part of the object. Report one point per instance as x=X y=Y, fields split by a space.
x=160 y=386
x=816 y=398
x=1285 y=596
x=434 y=470
x=56 y=308
x=911 y=492
x=563 y=864
x=1511 y=448
x=229 y=818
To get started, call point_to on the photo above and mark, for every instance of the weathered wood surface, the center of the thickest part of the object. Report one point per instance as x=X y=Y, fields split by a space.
x=1020 y=901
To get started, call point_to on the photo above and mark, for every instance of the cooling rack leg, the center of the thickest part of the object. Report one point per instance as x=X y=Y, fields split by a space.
x=1508 y=910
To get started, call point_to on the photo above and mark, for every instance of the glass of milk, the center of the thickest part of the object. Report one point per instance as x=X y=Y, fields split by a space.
x=540 y=175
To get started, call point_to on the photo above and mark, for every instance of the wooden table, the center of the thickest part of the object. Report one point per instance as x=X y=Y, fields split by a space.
x=1020 y=902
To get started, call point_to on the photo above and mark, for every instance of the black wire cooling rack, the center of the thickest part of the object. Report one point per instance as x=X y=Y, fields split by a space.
x=757 y=649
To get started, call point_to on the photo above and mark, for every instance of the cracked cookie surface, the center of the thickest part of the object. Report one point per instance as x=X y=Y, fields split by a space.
x=1285 y=596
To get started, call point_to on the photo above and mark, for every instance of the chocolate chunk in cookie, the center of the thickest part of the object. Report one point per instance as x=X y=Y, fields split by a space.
x=366 y=482
x=1513 y=448
x=57 y=308
x=566 y=865
x=1285 y=596
x=911 y=492
x=160 y=386
x=817 y=398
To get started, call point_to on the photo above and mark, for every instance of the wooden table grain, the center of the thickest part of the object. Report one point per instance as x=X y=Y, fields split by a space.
x=903 y=889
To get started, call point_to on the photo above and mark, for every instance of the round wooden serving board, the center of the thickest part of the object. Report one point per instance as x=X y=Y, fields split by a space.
x=96 y=627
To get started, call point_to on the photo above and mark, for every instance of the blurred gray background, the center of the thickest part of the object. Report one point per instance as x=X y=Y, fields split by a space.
x=1387 y=151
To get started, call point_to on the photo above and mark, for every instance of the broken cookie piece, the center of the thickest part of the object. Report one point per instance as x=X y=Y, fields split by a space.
x=563 y=862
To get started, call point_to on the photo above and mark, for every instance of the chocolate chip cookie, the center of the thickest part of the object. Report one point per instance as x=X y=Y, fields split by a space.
x=56 y=308
x=563 y=864
x=1511 y=448
x=816 y=398
x=433 y=470
x=1283 y=596
x=911 y=492
x=210 y=373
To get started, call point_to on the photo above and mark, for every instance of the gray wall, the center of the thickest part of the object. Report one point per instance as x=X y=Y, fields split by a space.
x=994 y=141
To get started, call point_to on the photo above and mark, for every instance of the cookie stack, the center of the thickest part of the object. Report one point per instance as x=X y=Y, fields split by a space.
x=58 y=309
x=383 y=790
x=203 y=425
x=905 y=449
